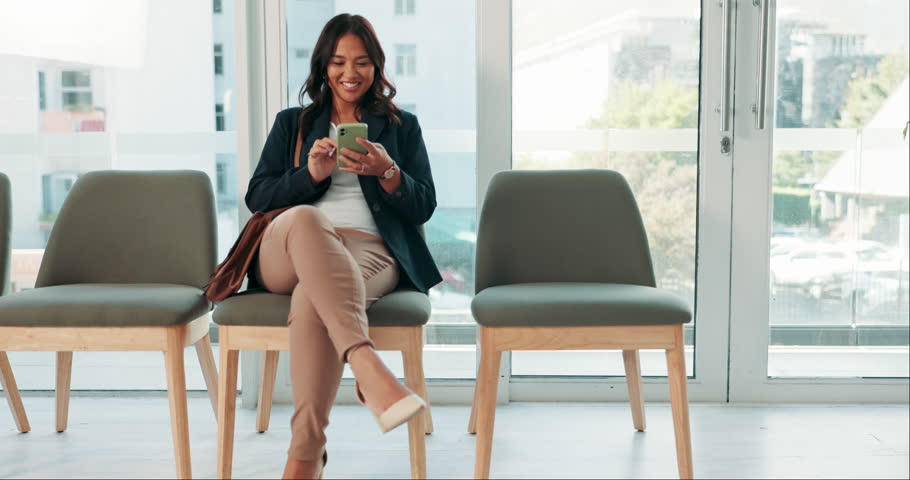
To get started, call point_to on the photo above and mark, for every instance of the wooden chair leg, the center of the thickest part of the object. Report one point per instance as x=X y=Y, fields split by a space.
x=8 y=382
x=209 y=370
x=176 y=393
x=266 y=390
x=679 y=402
x=227 y=401
x=428 y=413
x=633 y=380
x=422 y=387
x=412 y=357
x=487 y=384
x=472 y=421
x=62 y=392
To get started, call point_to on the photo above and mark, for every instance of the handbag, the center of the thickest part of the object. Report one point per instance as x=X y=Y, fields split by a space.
x=229 y=274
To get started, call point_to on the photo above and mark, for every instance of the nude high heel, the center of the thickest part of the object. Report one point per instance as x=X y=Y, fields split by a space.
x=398 y=413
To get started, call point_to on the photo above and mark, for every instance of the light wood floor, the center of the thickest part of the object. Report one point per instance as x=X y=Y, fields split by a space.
x=129 y=437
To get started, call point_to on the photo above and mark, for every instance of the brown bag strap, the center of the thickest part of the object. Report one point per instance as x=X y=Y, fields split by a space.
x=297 y=149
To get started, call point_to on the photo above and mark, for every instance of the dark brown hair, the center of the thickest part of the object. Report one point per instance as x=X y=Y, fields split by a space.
x=376 y=101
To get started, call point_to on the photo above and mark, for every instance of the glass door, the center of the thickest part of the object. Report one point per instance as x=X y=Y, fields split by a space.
x=631 y=87
x=820 y=229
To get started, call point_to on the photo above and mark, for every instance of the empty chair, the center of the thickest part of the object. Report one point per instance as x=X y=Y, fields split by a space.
x=124 y=269
x=563 y=263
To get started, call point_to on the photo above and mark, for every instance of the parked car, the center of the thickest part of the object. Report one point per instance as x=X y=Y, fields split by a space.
x=875 y=291
x=820 y=270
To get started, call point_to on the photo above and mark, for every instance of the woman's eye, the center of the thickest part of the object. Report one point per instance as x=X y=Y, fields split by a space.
x=363 y=64
x=338 y=63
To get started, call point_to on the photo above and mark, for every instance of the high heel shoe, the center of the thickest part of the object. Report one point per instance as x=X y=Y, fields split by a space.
x=398 y=413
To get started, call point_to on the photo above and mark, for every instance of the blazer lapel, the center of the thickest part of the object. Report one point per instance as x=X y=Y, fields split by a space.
x=320 y=128
x=375 y=126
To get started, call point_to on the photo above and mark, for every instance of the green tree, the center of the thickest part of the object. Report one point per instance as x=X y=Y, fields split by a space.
x=866 y=95
x=664 y=183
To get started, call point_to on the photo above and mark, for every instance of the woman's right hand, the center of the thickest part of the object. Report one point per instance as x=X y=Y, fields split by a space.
x=321 y=159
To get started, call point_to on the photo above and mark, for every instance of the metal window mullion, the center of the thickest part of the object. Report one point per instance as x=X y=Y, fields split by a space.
x=494 y=116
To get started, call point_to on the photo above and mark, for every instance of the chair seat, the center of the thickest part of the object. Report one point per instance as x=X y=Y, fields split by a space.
x=103 y=305
x=401 y=308
x=577 y=304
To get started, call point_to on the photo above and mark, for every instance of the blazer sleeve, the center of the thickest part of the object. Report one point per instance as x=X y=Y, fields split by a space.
x=276 y=183
x=415 y=200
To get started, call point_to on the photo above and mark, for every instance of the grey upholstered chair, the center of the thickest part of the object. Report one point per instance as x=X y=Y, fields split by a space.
x=563 y=263
x=257 y=320
x=124 y=270
x=7 y=380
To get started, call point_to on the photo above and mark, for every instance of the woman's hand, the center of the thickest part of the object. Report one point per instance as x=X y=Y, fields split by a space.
x=375 y=162
x=321 y=159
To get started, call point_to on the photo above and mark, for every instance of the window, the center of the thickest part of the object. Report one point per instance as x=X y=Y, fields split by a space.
x=219 y=117
x=220 y=178
x=406 y=60
x=302 y=52
x=42 y=92
x=76 y=90
x=216 y=6
x=838 y=300
x=219 y=59
x=74 y=78
x=108 y=92
x=408 y=107
x=404 y=7
x=642 y=66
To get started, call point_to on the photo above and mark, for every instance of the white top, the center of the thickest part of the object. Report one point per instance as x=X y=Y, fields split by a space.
x=344 y=202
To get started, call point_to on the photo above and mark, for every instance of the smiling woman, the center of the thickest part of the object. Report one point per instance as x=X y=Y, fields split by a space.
x=350 y=235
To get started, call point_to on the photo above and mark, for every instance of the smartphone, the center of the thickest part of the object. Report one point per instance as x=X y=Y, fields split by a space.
x=347 y=135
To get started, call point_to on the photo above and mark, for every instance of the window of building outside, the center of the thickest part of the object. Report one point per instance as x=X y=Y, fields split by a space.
x=219 y=59
x=221 y=179
x=404 y=7
x=42 y=93
x=76 y=90
x=302 y=52
x=78 y=98
x=406 y=60
x=219 y=117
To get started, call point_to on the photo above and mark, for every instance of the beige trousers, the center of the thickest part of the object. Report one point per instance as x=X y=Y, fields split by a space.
x=332 y=275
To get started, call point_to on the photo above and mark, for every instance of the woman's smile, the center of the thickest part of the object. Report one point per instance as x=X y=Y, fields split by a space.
x=350 y=86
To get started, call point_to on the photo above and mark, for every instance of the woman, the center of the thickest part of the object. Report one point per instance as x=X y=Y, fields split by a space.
x=351 y=236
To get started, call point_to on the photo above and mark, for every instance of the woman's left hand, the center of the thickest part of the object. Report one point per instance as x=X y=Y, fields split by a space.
x=375 y=162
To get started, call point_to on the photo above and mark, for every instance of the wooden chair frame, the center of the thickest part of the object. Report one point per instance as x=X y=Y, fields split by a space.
x=65 y=340
x=629 y=339
x=273 y=339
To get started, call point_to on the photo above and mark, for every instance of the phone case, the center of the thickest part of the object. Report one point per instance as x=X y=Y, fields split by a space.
x=347 y=134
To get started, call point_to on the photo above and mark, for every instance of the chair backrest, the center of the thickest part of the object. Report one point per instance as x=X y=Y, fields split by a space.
x=6 y=207
x=133 y=227
x=561 y=226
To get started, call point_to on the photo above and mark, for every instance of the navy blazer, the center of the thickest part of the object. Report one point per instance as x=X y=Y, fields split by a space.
x=276 y=183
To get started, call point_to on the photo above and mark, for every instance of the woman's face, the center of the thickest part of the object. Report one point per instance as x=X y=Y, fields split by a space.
x=350 y=70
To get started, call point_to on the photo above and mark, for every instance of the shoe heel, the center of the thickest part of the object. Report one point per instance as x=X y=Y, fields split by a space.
x=400 y=412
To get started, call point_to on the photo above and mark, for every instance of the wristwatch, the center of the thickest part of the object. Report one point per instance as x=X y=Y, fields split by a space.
x=390 y=172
